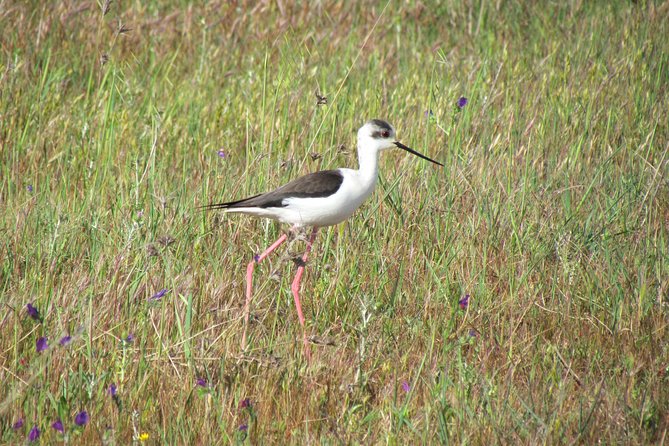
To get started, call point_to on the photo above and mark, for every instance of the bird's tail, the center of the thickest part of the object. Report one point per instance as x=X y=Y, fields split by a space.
x=230 y=204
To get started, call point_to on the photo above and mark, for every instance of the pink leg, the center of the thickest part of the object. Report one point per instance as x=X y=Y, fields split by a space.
x=249 y=282
x=295 y=288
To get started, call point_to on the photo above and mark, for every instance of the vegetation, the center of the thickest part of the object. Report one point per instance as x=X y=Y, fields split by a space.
x=118 y=119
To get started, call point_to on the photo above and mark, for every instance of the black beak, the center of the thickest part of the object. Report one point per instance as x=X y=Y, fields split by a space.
x=419 y=155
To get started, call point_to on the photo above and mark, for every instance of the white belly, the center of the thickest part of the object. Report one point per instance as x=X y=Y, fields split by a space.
x=330 y=210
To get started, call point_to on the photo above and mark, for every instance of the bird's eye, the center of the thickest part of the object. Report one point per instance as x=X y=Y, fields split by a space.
x=385 y=133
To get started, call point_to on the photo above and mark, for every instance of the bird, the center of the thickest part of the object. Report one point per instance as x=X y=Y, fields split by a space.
x=317 y=200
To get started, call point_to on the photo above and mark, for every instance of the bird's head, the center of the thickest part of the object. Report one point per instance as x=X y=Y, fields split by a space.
x=377 y=135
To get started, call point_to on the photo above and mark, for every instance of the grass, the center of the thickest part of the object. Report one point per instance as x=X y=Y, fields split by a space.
x=552 y=213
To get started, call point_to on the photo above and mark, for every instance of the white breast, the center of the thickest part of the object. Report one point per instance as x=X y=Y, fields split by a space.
x=330 y=210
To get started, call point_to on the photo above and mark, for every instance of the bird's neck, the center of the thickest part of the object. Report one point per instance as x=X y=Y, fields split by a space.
x=368 y=170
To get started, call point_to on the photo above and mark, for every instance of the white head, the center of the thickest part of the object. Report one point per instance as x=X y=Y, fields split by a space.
x=377 y=135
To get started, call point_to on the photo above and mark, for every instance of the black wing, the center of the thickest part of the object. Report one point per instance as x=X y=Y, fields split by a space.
x=313 y=185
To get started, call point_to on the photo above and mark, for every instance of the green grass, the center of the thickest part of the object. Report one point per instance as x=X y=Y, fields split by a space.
x=552 y=212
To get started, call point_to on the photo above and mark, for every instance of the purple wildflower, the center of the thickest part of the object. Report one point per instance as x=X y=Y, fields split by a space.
x=81 y=419
x=18 y=424
x=33 y=312
x=256 y=258
x=428 y=114
x=246 y=402
x=159 y=294
x=58 y=425
x=221 y=154
x=243 y=427
x=462 y=102
x=472 y=333
x=201 y=382
x=41 y=344
x=29 y=188
x=34 y=433
x=112 y=390
x=129 y=338
x=65 y=340
x=405 y=386
x=464 y=302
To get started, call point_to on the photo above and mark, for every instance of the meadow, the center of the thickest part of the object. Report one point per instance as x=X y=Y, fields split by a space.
x=519 y=295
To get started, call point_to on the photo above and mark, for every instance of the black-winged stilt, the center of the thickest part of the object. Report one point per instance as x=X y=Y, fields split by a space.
x=318 y=199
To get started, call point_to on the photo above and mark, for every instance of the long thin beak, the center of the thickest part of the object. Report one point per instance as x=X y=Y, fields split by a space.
x=419 y=155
